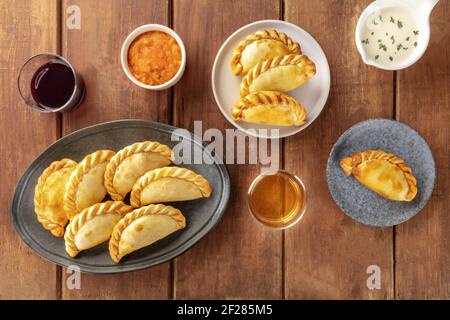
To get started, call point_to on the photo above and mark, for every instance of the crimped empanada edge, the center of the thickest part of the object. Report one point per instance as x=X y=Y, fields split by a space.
x=359 y=157
x=236 y=65
x=128 y=151
x=172 y=172
x=268 y=98
x=299 y=60
x=55 y=228
x=156 y=209
x=87 y=214
x=82 y=168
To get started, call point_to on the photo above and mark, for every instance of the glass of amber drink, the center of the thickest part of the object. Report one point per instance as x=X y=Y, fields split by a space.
x=277 y=199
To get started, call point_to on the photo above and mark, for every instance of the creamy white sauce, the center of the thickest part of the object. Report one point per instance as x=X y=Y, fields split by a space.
x=389 y=36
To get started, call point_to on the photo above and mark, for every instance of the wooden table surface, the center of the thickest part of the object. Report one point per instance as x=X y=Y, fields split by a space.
x=327 y=254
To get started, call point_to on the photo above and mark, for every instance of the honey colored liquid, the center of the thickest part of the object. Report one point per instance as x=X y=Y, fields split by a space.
x=277 y=199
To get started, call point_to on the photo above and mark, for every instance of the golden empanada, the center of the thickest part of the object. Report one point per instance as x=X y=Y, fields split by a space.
x=383 y=173
x=259 y=46
x=132 y=162
x=86 y=185
x=49 y=193
x=282 y=73
x=142 y=227
x=93 y=225
x=269 y=107
x=167 y=185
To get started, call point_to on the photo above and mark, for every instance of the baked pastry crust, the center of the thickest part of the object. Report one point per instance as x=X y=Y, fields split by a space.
x=125 y=236
x=359 y=165
x=169 y=184
x=92 y=164
x=278 y=43
x=50 y=209
x=112 y=210
x=282 y=73
x=158 y=155
x=269 y=107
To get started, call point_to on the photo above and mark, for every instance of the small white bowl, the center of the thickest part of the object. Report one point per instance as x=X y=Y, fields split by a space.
x=137 y=32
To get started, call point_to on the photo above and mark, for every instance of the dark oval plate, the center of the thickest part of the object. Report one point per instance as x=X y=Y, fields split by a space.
x=201 y=215
x=364 y=205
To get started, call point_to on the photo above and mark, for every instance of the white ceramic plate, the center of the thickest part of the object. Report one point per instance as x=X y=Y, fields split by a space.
x=313 y=94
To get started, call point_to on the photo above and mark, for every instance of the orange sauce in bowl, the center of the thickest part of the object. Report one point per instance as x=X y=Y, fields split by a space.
x=154 y=57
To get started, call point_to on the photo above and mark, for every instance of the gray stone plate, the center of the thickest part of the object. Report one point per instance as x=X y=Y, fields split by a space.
x=364 y=205
x=201 y=215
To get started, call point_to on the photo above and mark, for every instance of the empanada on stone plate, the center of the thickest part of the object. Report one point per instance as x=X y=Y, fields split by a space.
x=131 y=163
x=169 y=184
x=259 y=46
x=142 y=227
x=383 y=173
x=86 y=185
x=93 y=225
x=49 y=194
x=282 y=73
x=269 y=107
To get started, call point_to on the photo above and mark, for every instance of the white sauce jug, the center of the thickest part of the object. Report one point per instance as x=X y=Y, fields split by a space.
x=394 y=34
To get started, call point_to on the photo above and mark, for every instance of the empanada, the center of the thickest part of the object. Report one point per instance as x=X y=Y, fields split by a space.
x=282 y=73
x=93 y=225
x=142 y=227
x=259 y=46
x=269 y=107
x=132 y=162
x=86 y=185
x=49 y=193
x=383 y=173
x=169 y=184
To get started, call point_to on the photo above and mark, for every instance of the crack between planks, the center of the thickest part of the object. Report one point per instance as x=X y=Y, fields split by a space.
x=394 y=229
x=282 y=162
x=171 y=120
x=59 y=130
x=394 y=263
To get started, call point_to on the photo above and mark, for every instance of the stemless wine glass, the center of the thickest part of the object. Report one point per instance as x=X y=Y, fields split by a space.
x=61 y=79
x=277 y=199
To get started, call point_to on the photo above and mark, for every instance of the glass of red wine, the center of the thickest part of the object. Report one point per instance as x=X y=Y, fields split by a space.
x=49 y=83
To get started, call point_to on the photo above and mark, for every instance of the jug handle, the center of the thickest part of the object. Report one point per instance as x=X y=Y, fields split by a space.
x=425 y=6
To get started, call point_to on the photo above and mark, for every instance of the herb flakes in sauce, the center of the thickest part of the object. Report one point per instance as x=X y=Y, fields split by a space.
x=382 y=46
x=391 y=42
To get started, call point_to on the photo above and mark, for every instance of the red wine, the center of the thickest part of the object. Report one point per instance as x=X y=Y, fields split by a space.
x=53 y=85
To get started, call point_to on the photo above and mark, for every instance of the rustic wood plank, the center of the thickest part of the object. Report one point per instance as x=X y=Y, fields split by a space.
x=95 y=52
x=26 y=28
x=239 y=258
x=327 y=254
x=423 y=101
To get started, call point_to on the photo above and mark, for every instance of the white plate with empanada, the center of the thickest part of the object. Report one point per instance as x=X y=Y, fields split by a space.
x=289 y=45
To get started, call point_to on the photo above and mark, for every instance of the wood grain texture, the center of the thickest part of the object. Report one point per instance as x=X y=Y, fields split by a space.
x=239 y=258
x=26 y=28
x=327 y=253
x=95 y=52
x=423 y=102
